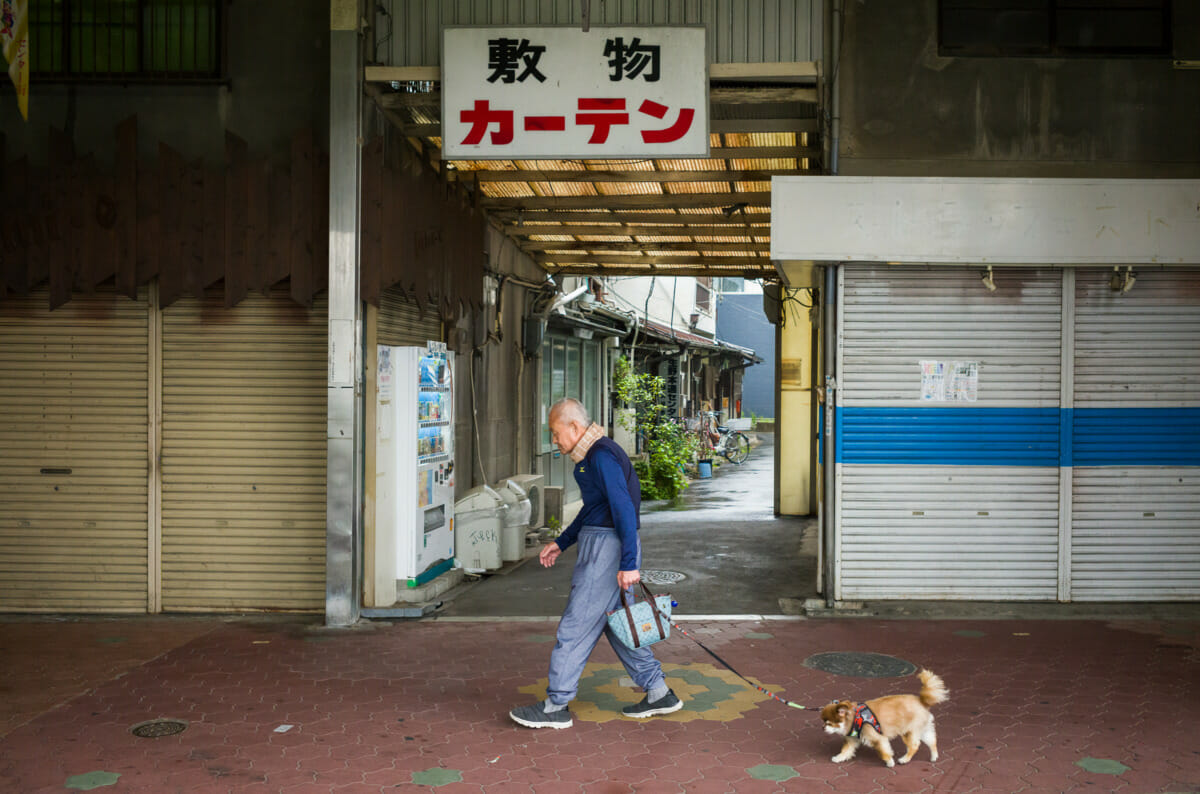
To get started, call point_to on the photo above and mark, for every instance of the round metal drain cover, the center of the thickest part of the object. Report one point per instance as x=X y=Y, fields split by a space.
x=662 y=577
x=861 y=665
x=154 y=729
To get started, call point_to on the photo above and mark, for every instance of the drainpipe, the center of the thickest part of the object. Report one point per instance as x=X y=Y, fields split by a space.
x=835 y=93
x=828 y=440
x=829 y=323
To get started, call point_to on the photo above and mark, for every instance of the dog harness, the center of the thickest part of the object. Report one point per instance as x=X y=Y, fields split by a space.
x=864 y=716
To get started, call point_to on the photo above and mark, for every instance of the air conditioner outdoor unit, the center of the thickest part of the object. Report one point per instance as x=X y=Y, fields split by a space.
x=552 y=503
x=532 y=485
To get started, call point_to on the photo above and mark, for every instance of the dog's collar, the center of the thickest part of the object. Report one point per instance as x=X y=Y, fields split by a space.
x=864 y=716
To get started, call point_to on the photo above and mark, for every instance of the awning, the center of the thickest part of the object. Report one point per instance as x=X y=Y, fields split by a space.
x=688 y=339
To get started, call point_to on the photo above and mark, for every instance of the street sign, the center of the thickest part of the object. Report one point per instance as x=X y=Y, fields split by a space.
x=553 y=93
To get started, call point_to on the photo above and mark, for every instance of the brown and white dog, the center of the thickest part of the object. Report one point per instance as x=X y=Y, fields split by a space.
x=876 y=722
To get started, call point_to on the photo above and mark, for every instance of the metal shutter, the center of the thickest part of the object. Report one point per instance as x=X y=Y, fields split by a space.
x=1136 y=488
x=243 y=455
x=400 y=323
x=948 y=500
x=73 y=476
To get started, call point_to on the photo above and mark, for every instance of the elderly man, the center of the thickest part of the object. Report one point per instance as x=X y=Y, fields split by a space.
x=608 y=561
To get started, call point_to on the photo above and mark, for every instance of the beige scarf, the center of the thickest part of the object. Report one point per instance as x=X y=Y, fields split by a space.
x=590 y=436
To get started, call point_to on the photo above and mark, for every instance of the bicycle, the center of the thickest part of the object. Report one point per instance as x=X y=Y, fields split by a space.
x=733 y=445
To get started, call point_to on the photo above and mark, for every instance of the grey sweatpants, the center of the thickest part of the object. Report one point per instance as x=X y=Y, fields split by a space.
x=594 y=592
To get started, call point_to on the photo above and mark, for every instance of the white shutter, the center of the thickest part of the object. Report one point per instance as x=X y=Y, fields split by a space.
x=948 y=500
x=73 y=474
x=243 y=455
x=1136 y=441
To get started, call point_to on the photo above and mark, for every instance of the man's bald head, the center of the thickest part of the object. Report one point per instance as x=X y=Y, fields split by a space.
x=568 y=422
x=570 y=410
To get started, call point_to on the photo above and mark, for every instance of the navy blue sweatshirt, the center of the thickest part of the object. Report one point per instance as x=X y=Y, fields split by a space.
x=612 y=497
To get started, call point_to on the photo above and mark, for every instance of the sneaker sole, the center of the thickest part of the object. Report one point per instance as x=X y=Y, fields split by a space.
x=529 y=724
x=657 y=712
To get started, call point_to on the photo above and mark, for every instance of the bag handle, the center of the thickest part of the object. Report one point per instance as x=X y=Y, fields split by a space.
x=653 y=608
x=625 y=605
x=633 y=633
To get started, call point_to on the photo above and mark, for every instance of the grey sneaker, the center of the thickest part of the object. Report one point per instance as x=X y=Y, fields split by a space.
x=535 y=716
x=664 y=705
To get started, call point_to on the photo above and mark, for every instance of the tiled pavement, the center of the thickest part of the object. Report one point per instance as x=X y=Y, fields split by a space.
x=1035 y=706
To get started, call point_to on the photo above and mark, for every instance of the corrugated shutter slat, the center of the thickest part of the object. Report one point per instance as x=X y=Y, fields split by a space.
x=74 y=390
x=243 y=455
x=1136 y=528
x=916 y=521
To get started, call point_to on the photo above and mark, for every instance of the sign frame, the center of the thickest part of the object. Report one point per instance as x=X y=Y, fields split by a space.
x=558 y=99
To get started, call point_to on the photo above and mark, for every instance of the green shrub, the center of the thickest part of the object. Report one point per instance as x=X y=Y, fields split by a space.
x=668 y=448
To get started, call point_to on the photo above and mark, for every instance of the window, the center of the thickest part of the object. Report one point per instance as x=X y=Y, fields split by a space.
x=704 y=295
x=121 y=40
x=570 y=368
x=1055 y=28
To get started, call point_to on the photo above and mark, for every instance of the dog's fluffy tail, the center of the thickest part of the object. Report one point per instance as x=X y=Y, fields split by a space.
x=933 y=689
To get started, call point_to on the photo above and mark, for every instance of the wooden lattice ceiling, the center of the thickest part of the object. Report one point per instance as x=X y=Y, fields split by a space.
x=709 y=217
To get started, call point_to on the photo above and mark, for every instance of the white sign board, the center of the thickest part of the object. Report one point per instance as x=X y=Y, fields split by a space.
x=982 y=220
x=552 y=92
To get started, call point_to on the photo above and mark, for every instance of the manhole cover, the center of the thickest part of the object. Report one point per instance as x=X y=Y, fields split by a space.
x=860 y=665
x=154 y=729
x=662 y=577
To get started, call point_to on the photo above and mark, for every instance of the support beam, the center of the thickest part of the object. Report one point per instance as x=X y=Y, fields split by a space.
x=597 y=215
x=722 y=126
x=782 y=72
x=642 y=229
x=761 y=175
x=793 y=418
x=757 y=95
x=533 y=246
x=779 y=71
x=561 y=260
x=763 y=125
x=754 y=95
x=715 y=153
x=656 y=201
x=732 y=271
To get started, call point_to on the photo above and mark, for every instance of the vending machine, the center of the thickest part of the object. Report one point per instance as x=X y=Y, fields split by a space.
x=414 y=464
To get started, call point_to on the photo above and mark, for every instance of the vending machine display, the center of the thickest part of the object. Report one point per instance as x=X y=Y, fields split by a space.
x=414 y=468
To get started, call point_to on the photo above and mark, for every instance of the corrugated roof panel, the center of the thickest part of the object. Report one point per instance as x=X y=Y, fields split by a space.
x=507 y=189
x=697 y=187
x=629 y=188
x=690 y=165
x=621 y=165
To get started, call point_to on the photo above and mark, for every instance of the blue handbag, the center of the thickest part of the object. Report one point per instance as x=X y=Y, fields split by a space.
x=640 y=623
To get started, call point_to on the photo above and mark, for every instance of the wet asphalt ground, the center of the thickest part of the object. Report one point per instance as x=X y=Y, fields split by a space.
x=719 y=545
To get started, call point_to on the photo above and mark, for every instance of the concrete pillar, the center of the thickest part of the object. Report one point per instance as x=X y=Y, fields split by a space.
x=343 y=508
x=794 y=417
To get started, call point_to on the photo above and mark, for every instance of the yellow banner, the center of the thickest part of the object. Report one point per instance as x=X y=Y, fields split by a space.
x=14 y=39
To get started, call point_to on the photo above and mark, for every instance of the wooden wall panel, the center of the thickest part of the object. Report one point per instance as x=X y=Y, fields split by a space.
x=233 y=227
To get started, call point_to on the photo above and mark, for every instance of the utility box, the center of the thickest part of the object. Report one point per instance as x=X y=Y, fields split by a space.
x=552 y=497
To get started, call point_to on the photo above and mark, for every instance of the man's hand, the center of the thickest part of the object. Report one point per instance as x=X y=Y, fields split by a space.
x=549 y=554
x=627 y=579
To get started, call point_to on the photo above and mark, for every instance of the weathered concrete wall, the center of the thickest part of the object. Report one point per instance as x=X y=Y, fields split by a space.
x=908 y=111
x=506 y=383
x=278 y=60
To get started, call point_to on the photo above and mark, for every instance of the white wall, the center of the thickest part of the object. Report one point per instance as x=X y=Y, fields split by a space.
x=671 y=301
